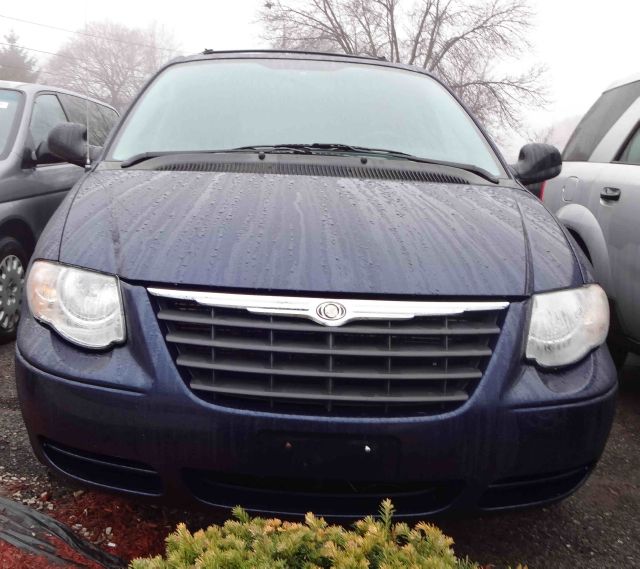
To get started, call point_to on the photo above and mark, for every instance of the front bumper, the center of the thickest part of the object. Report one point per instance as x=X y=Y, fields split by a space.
x=124 y=420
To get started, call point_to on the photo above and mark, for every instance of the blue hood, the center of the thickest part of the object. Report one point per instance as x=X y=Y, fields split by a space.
x=315 y=234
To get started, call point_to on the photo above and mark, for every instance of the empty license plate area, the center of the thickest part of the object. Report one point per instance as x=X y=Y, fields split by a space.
x=330 y=456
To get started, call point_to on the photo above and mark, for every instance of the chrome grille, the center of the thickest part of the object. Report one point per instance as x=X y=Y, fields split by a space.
x=375 y=367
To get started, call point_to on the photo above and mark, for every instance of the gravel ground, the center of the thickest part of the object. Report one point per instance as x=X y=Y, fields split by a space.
x=598 y=527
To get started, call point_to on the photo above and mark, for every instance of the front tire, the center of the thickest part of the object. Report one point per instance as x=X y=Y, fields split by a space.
x=13 y=264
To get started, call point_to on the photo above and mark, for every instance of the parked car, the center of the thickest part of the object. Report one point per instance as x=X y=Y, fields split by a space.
x=33 y=181
x=597 y=199
x=308 y=282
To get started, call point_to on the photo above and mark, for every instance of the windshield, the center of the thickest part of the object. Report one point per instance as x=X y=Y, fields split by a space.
x=10 y=102
x=223 y=104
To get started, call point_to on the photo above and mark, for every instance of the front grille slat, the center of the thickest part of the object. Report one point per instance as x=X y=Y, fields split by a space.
x=420 y=365
x=300 y=325
x=202 y=363
x=434 y=397
x=242 y=344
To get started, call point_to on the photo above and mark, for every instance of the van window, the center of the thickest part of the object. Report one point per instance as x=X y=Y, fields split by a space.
x=102 y=121
x=100 y=118
x=599 y=120
x=10 y=102
x=47 y=113
x=75 y=108
x=110 y=116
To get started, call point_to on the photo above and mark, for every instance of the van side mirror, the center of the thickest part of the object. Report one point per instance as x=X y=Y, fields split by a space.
x=537 y=163
x=69 y=142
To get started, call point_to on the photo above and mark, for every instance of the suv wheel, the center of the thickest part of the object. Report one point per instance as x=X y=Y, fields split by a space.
x=13 y=263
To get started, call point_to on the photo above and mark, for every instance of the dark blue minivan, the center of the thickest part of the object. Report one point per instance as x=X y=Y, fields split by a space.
x=299 y=282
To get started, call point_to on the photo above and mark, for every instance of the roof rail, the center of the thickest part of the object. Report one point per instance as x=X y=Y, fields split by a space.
x=296 y=52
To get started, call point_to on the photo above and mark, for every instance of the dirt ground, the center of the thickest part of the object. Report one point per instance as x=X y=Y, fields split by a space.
x=598 y=527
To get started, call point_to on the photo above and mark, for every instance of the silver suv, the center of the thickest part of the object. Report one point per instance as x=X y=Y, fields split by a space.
x=597 y=198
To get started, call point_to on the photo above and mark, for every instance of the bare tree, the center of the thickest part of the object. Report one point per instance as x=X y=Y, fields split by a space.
x=110 y=61
x=556 y=133
x=462 y=42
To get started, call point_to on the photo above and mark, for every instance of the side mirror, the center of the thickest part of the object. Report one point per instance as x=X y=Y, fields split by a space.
x=42 y=154
x=537 y=163
x=69 y=142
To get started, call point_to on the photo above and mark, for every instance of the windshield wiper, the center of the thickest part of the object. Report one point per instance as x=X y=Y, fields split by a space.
x=143 y=156
x=459 y=165
x=275 y=148
x=137 y=158
x=405 y=156
x=350 y=149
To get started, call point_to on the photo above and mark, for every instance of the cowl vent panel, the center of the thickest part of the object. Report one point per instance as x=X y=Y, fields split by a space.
x=305 y=169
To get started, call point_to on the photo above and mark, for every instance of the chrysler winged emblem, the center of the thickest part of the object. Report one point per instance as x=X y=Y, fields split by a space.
x=331 y=311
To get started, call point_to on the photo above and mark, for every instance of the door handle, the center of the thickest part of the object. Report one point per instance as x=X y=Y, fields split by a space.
x=610 y=194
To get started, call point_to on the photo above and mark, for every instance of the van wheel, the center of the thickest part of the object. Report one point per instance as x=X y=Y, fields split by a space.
x=13 y=263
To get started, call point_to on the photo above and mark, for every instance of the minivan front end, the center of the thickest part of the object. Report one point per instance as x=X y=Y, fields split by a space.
x=312 y=326
x=216 y=404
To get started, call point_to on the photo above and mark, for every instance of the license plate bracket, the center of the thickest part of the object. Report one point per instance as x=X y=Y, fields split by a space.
x=330 y=456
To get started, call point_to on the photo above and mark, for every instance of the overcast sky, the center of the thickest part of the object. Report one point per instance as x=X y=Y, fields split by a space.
x=586 y=45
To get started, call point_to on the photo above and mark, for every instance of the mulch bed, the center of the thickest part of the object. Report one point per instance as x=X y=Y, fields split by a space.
x=11 y=558
x=116 y=525
x=119 y=526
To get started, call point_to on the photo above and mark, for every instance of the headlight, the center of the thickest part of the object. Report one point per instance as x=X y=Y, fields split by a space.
x=567 y=325
x=84 y=307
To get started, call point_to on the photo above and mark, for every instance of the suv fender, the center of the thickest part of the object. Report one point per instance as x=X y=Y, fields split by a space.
x=580 y=221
